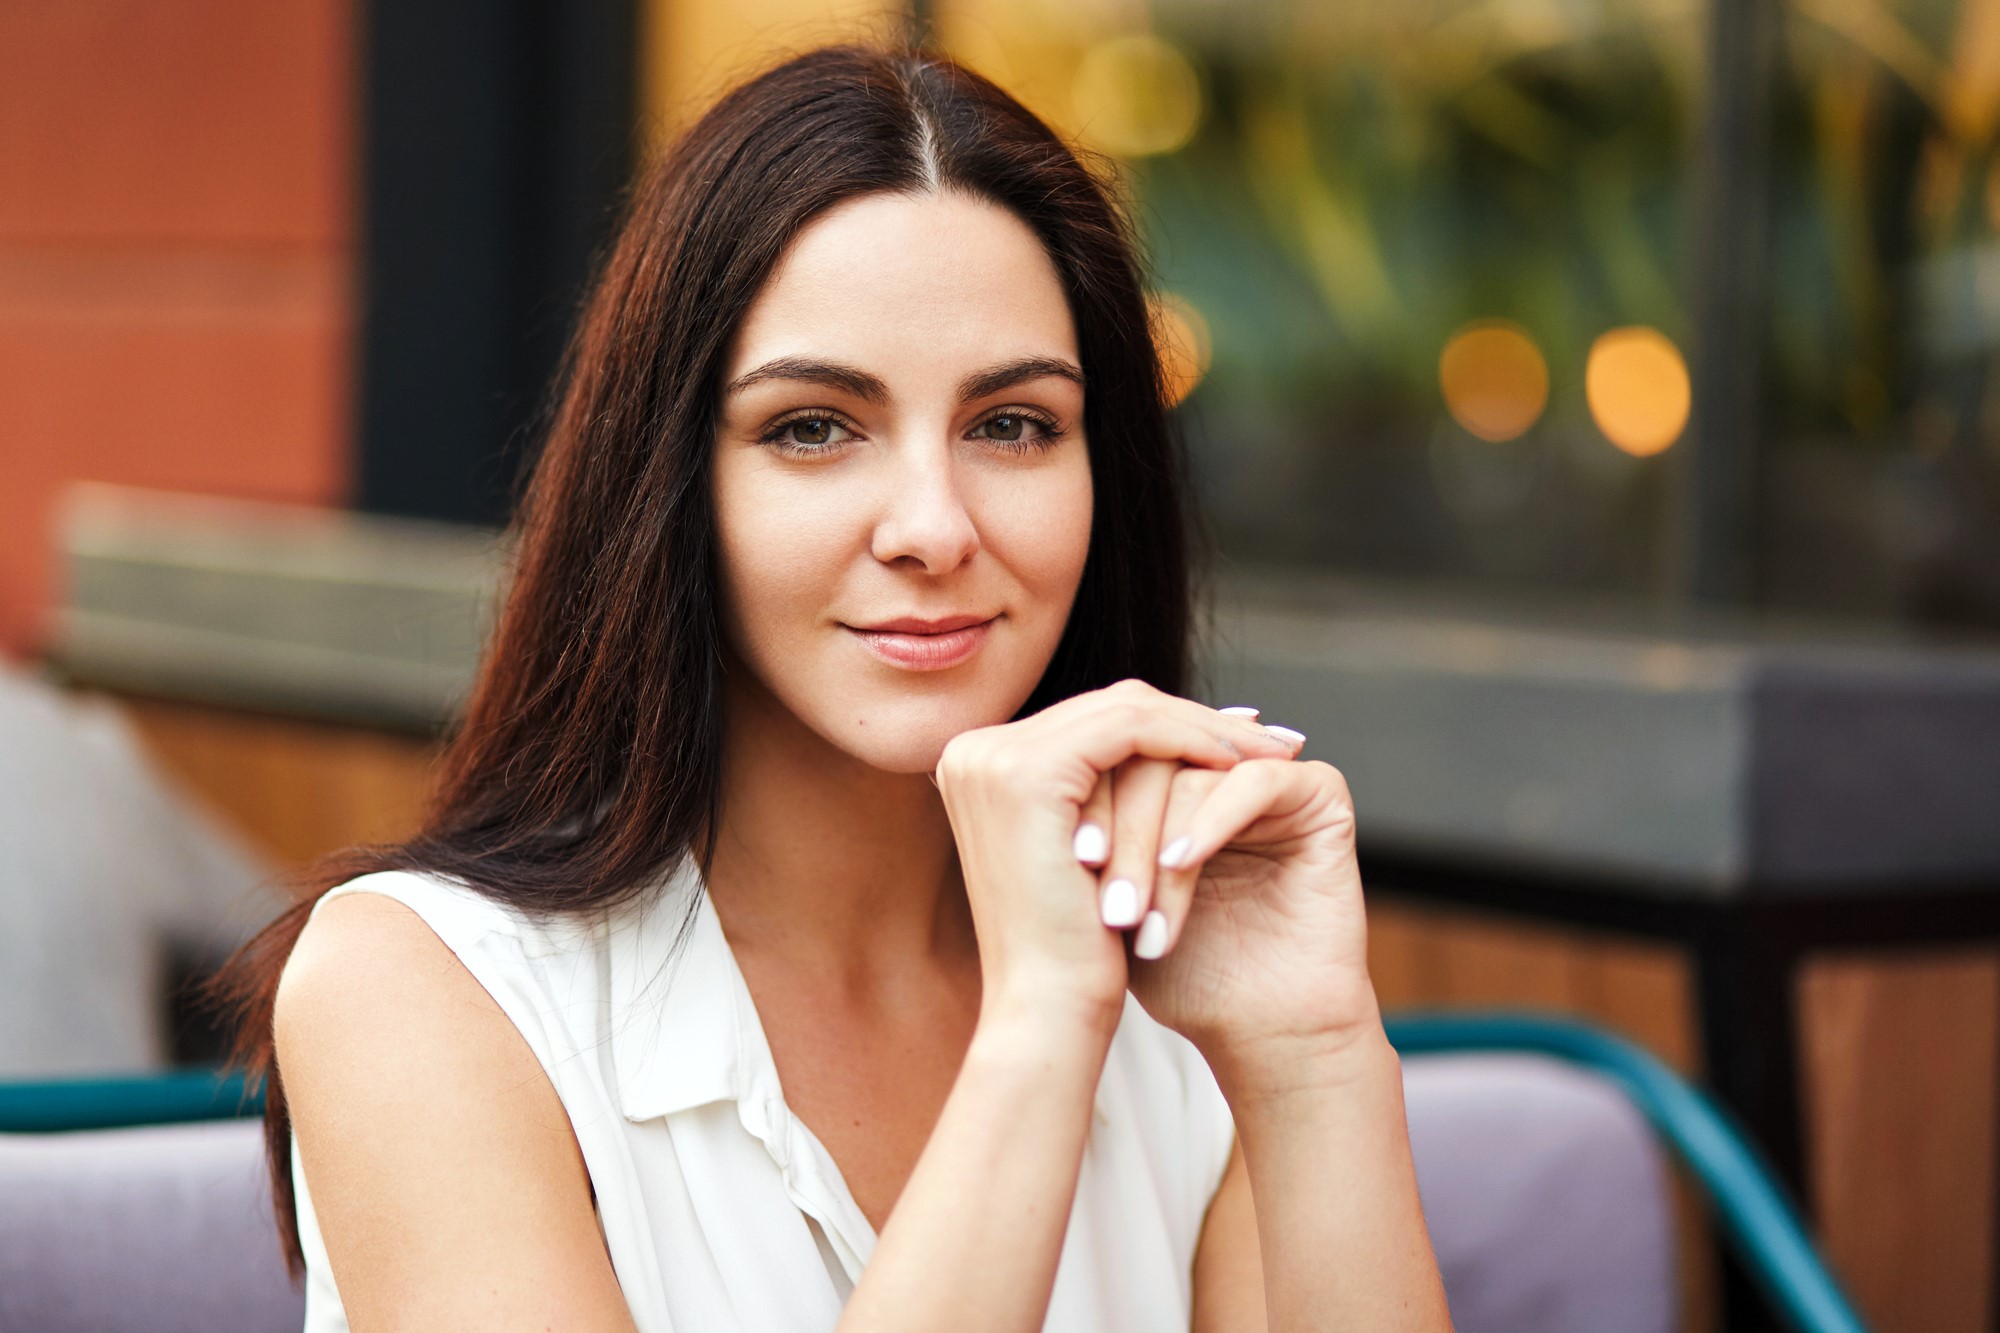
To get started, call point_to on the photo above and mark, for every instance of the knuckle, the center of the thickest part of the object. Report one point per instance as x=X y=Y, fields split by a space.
x=981 y=759
x=1007 y=765
x=1332 y=779
x=950 y=762
x=1327 y=773
x=999 y=760
x=1125 y=715
x=961 y=754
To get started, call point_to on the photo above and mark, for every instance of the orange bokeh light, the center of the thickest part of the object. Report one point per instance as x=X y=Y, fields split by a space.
x=1182 y=336
x=1494 y=380
x=1636 y=383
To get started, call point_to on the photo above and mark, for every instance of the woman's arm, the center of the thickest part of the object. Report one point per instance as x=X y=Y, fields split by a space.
x=974 y=1238
x=445 y=1178
x=1332 y=1183
x=1228 y=1272
x=1265 y=971
x=1336 y=1223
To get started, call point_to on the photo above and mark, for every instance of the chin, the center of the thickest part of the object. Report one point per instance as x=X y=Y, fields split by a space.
x=908 y=734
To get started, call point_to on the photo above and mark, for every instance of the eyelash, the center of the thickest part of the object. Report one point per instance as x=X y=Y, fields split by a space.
x=1051 y=432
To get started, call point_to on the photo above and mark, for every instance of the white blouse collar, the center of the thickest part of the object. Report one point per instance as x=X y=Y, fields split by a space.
x=686 y=1033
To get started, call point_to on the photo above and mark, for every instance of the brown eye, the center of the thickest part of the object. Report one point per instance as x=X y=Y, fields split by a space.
x=810 y=430
x=1023 y=431
x=809 y=435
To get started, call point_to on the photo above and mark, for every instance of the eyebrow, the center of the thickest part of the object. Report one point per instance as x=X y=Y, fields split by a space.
x=870 y=388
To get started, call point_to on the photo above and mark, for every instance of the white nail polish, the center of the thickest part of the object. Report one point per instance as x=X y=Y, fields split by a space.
x=1152 y=941
x=1287 y=734
x=1118 y=905
x=1239 y=712
x=1174 y=855
x=1090 y=844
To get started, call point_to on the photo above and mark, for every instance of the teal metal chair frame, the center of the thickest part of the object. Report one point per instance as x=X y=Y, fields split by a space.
x=1759 y=1222
x=174 y=1097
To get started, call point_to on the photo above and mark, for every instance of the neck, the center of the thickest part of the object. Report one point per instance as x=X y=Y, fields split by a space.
x=824 y=859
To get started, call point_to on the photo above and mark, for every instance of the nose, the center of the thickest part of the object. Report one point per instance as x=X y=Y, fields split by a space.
x=924 y=518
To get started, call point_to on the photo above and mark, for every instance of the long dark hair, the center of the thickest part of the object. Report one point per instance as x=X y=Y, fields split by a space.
x=588 y=761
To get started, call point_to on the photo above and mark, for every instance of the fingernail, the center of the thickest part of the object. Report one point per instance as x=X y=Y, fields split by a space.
x=1174 y=855
x=1287 y=734
x=1090 y=844
x=1238 y=711
x=1152 y=941
x=1118 y=905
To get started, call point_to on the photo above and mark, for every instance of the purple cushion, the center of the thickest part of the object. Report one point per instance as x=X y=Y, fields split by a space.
x=1546 y=1194
x=154 y=1230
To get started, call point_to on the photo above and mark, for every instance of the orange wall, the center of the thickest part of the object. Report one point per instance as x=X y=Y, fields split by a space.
x=177 y=248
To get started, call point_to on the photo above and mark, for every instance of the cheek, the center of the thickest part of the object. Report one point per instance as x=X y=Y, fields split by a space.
x=1040 y=526
x=781 y=548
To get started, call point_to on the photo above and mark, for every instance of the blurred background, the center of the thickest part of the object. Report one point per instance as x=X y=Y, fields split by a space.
x=1596 y=404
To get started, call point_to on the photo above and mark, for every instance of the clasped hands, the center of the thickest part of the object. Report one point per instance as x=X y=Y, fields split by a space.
x=1128 y=816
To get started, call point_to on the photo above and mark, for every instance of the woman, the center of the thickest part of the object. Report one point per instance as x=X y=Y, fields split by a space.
x=768 y=958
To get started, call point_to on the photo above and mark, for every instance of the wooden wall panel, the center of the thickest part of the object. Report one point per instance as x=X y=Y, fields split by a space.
x=295 y=790
x=1901 y=1060
x=1451 y=957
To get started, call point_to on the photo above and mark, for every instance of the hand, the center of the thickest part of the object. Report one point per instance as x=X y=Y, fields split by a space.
x=1258 y=924
x=1013 y=793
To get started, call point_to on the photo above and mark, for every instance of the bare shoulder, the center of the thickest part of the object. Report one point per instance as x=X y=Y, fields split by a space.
x=364 y=953
x=370 y=991
x=445 y=1179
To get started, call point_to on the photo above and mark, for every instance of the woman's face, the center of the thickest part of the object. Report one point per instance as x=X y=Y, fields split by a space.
x=902 y=486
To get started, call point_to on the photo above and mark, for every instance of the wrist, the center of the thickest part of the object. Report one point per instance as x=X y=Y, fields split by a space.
x=1046 y=1019
x=1309 y=1062
x=1033 y=1052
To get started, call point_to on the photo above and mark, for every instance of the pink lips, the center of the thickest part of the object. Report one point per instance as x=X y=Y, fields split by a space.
x=925 y=645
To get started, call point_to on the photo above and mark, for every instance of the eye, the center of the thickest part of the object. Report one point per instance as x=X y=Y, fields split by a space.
x=808 y=432
x=1022 y=430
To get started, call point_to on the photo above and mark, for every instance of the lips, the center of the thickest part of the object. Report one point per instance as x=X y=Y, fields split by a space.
x=918 y=625
x=916 y=644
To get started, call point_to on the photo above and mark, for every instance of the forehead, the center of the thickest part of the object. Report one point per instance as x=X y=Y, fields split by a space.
x=910 y=281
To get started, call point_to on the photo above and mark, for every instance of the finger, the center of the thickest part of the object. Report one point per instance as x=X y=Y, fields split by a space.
x=1174 y=878
x=1139 y=800
x=1239 y=799
x=1107 y=736
x=1093 y=827
x=1238 y=727
x=1161 y=727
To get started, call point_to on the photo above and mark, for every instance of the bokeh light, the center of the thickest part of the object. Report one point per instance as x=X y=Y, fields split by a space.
x=1637 y=385
x=1494 y=379
x=1136 y=96
x=1182 y=335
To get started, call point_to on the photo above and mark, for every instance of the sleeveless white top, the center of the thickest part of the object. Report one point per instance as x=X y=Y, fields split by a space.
x=720 y=1209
